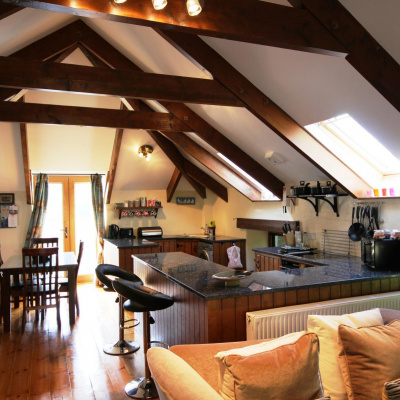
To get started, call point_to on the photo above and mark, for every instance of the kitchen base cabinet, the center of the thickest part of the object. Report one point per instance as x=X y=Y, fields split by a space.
x=188 y=246
x=166 y=246
x=266 y=262
x=221 y=254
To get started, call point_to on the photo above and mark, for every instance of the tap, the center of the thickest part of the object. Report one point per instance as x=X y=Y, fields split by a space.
x=205 y=229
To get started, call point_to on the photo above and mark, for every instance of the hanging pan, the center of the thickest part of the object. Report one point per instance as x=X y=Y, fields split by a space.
x=357 y=229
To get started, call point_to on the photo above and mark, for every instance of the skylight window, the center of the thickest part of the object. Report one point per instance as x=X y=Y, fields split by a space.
x=355 y=147
x=265 y=193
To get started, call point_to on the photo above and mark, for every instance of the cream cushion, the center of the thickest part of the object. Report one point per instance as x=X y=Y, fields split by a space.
x=326 y=328
x=369 y=357
x=279 y=369
x=176 y=379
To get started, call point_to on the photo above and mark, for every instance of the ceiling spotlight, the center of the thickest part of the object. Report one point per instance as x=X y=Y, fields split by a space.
x=117 y=1
x=159 y=4
x=194 y=7
x=145 y=151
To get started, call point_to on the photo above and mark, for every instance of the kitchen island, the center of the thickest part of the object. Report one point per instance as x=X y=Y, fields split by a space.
x=207 y=311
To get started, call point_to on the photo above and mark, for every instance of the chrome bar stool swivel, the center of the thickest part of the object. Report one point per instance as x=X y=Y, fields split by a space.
x=142 y=299
x=103 y=272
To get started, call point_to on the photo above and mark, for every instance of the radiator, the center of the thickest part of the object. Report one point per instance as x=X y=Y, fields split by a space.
x=269 y=324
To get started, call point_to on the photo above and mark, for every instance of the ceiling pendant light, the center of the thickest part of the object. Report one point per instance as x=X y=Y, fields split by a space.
x=145 y=151
x=117 y=1
x=194 y=7
x=159 y=4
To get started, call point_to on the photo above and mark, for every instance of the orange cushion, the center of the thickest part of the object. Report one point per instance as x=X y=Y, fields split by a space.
x=369 y=357
x=284 y=368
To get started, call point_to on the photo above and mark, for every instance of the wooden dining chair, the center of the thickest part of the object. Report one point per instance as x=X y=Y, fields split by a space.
x=41 y=287
x=44 y=242
x=64 y=281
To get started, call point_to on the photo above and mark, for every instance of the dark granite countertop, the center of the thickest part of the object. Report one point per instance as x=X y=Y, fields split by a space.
x=131 y=243
x=146 y=242
x=195 y=275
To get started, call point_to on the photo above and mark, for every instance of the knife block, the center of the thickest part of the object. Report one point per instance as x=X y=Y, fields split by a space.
x=289 y=239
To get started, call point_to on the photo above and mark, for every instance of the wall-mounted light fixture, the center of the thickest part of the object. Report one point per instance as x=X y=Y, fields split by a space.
x=194 y=7
x=145 y=151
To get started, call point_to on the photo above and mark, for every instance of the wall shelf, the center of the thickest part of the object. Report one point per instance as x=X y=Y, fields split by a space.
x=324 y=197
x=153 y=211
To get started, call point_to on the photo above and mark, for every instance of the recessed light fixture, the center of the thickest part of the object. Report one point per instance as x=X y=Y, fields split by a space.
x=145 y=151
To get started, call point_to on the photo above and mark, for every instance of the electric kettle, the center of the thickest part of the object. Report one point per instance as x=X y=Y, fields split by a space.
x=113 y=231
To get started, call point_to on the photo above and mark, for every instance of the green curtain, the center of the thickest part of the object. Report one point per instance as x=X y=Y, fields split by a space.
x=98 y=209
x=39 y=209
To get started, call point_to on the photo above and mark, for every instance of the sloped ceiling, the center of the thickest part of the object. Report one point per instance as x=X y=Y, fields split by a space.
x=309 y=87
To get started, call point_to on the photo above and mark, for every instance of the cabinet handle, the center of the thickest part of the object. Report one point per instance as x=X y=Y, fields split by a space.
x=195 y=249
x=258 y=264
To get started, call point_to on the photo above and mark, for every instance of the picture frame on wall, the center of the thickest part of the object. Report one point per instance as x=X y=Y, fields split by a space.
x=7 y=198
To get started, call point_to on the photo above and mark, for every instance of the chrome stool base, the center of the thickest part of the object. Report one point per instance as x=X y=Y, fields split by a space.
x=141 y=388
x=120 y=348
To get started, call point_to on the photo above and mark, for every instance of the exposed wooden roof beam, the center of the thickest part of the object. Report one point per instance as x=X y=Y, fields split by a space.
x=249 y=21
x=366 y=55
x=26 y=163
x=173 y=183
x=46 y=75
x=264 y=109
x=216 y=166
x=8 y=9
x=85 y=116
x=201 y=176
x=178 y=160
x=113 y=165
x=194 y=123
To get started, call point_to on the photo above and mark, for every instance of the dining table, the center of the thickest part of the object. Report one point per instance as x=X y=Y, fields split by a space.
x=67 y=261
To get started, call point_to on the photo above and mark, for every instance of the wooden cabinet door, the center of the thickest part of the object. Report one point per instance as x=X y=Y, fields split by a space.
x=185 y=246
x=194 y=248
x=265 y=262
x=168 y=245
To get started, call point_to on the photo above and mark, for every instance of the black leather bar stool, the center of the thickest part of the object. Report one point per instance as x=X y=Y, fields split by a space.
x=103 y=271
x=142 y=299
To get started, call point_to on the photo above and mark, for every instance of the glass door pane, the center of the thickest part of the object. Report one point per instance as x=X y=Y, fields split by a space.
x=84 y=228
x=53 y=225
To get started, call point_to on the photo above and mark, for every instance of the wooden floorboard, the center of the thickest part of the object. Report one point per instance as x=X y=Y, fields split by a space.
x=44 y=363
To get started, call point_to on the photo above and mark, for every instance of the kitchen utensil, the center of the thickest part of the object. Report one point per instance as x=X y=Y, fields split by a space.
x=329 y=188
x=370 y=230
x=376 y=217
x=303 y=189
x=316 y=189
x=143 y=202
x=284 y=228
x=356 y=230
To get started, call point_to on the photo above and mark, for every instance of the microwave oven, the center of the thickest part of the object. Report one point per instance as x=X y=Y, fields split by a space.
x=382 y=254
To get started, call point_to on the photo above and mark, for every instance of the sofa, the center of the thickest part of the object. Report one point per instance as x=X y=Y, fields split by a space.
x=205 y=371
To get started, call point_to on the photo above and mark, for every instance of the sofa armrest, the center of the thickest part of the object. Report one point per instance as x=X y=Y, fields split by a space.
x=201 y=357
x=177 y=380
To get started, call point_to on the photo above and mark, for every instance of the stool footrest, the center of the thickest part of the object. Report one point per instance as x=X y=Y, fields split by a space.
x=167 y=346
x=130 y=326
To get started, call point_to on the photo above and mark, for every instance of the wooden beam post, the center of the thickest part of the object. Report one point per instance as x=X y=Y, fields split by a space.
x=173 y=183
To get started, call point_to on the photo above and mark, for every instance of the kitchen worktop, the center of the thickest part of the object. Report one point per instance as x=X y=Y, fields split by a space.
x=147 y=242
x=131 y=243
x=195 y=275
x=318 y=258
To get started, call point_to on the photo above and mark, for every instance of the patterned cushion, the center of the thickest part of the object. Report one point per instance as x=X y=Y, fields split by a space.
x=391 y=390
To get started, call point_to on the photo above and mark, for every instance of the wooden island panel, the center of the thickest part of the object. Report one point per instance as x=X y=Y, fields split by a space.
x=194 y=320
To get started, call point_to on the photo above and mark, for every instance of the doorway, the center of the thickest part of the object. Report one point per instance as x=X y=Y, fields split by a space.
x=69 y=217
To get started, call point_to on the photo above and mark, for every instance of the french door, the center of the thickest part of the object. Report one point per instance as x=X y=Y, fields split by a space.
x=69 y=217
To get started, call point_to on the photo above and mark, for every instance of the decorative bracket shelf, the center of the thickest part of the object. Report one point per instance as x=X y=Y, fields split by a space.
x=324 y=197
x=150 y=209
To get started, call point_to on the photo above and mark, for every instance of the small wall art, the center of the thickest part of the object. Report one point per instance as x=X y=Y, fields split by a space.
x=186 y=200
x=7 y=198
